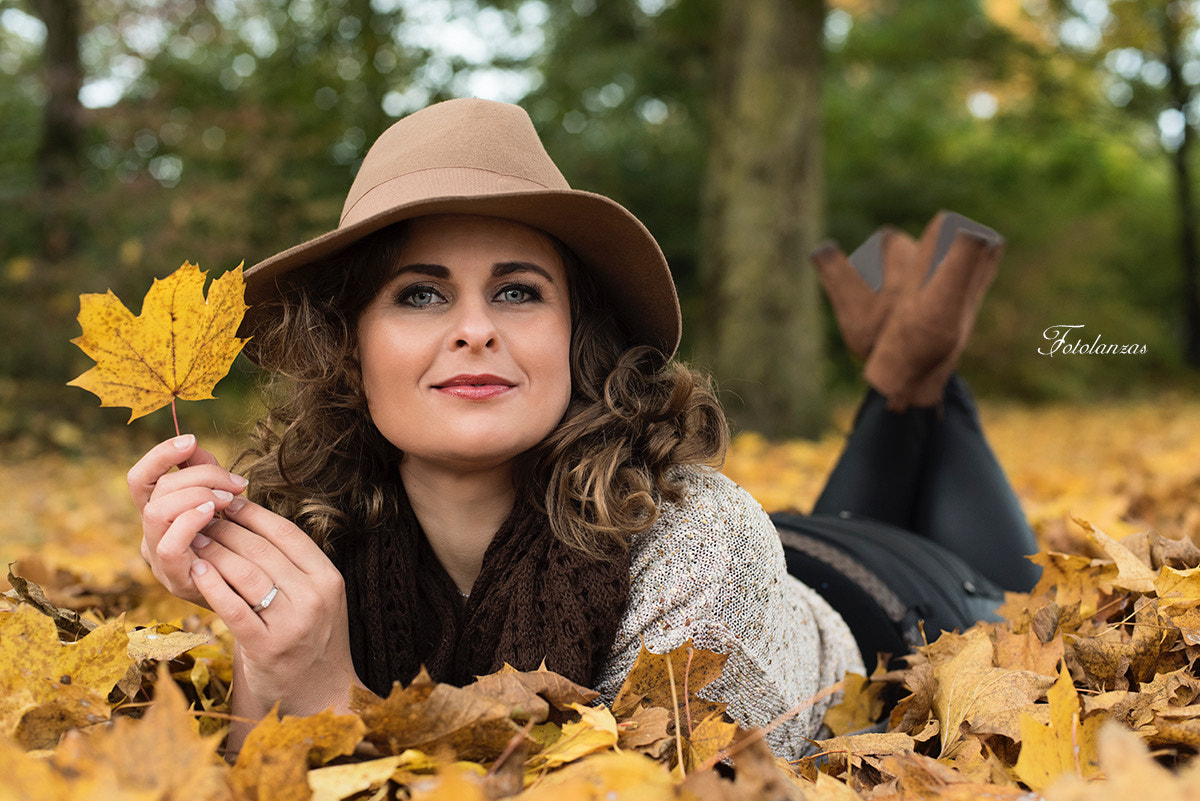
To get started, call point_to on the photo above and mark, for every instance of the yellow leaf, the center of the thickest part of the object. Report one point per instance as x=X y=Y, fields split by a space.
x=184 y=763
x=1132 y=573
x=1064 y=747
x=595 y=731
x=707 y=740
x=1178 y=587
x=180 y=346
x=619 y=777
x=861 y=705
x=47 y=687
x=336 y=782
x=456 y=782
x=163 y=643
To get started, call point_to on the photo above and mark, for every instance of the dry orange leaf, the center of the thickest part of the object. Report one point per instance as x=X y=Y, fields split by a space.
x=180 y=346
x=652 y=682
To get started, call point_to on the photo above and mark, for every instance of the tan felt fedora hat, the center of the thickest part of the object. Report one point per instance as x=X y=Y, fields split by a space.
x=482 y=157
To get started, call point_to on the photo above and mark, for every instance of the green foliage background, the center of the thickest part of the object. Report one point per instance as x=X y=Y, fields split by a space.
x=242 y=126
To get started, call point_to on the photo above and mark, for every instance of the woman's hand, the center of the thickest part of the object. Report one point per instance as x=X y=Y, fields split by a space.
x=175 y=506
x=296 y=649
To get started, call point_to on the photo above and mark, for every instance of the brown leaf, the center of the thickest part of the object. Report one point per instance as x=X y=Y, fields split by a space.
x=1072 y=581
x=71 y=626
x=645 y=727
x=849 y=750
x=1105 y=661
x=530 y=694
x=277 y=754
x=429 y=716
x=920 y=777
x=971 y=691
x=649 y=683
x=180 y=346
x=915 y=710
x=1028 y=651
x=757 y=777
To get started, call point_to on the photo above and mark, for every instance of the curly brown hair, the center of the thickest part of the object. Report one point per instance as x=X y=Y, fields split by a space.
x=317 y=459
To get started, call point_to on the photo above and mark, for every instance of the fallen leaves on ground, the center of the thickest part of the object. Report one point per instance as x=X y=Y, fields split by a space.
x=1088 y=689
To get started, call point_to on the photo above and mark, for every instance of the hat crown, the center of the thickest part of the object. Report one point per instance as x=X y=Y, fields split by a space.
x=464 y=134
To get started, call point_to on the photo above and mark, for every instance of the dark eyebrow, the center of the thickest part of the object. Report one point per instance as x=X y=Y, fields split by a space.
x=499 y=270
x=432 y=270
x=504 y=268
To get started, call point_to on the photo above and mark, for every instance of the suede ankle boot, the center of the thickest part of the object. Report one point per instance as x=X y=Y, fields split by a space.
x=919 y=345
x=863 y=289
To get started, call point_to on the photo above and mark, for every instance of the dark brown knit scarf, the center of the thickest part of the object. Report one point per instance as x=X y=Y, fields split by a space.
x=534 y=599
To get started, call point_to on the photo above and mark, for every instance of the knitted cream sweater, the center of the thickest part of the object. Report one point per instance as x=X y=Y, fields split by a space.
x=711 y=568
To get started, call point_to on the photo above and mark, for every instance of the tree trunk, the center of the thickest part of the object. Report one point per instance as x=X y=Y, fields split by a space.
x=1180 y=94
x=58 y=155
x=763 y=214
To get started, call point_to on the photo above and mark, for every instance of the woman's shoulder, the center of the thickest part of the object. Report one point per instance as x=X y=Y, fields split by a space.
x=713 y=512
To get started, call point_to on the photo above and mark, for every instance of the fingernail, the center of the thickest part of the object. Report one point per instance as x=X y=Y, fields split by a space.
x=223 y=495
x=207 y=506
x=199 y=567
x=199 y=541
x=184 y=441
x=824 y=250
x=235 y=505
x=241 y=481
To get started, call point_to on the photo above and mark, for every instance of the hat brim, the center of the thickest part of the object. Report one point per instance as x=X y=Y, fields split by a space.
x=609 y=241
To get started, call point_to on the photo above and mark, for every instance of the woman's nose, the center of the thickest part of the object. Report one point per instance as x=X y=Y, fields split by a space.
x=474 y=327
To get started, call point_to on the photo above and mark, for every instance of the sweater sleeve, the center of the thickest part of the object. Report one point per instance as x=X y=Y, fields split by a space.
x=711 y=569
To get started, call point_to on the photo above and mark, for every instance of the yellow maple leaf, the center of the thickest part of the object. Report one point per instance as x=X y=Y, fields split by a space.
x=1064 y=747
x=180 y=346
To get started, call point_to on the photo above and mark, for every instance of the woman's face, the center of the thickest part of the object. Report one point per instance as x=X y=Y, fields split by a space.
x=465 y=350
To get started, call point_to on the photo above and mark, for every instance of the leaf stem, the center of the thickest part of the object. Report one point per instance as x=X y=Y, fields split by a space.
x=675 y=708
x=174 y=415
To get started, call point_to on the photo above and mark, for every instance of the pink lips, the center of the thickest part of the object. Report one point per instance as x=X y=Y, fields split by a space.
x=475 y=387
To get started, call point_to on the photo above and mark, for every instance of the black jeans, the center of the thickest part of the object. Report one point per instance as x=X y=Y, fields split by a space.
x=918 y=502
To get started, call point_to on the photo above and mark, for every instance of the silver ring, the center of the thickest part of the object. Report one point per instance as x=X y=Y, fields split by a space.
x=266 y=601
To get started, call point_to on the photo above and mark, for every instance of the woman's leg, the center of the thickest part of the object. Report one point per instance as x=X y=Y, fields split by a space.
x=932 y=472
x=878 y=474
x=965 y=502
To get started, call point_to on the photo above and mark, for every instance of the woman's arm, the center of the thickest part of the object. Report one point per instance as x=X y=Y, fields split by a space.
x=711 y=569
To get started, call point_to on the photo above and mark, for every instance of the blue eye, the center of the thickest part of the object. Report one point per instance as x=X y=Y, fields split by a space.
x=419 y=296
x=518 y=293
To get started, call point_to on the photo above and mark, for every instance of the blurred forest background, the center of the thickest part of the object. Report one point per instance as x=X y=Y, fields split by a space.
x=135 y=134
